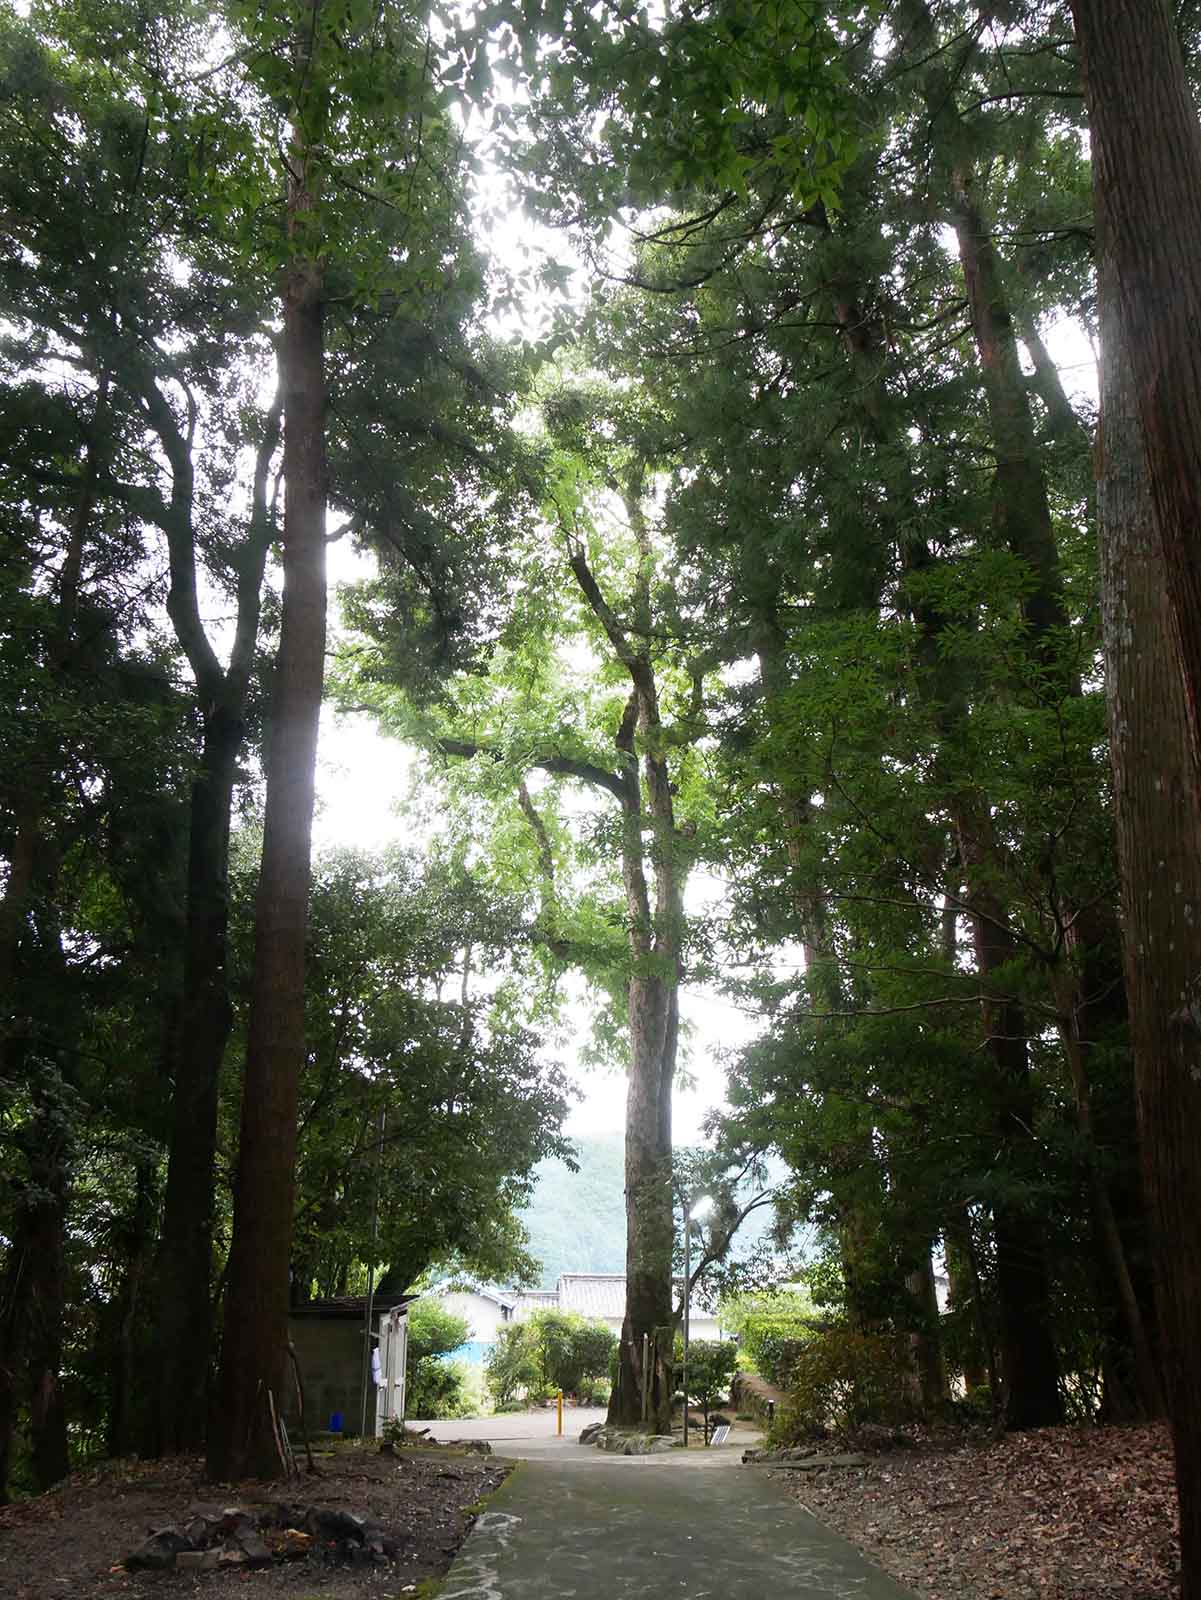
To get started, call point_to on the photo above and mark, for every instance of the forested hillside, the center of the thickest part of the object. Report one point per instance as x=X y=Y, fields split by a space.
x=577 y=1220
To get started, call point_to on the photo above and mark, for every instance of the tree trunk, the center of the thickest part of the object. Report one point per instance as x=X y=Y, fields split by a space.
x=1111 y=1248
x=1158 y=816
x=966 y=1290
x=1029 y=1363
x=924 y=1345
x=123 y=1429
x=46 y=1266
x=185 y=1261
x=1021 y=508
x=203 y=1017
x=654 y=939
x=254 y=1353
x=1146 y=156
x=650 y=1231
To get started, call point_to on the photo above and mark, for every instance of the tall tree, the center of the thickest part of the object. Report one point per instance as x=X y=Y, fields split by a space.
x=254 y=1346
x=1146 y=154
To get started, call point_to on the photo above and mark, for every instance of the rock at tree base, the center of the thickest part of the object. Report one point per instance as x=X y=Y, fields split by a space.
x=629 y=1441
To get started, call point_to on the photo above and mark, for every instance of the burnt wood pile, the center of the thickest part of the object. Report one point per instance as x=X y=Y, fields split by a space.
x=261 y=1536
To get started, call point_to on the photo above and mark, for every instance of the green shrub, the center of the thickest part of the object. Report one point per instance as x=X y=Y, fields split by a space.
x=435 y=1389
x=433 y=1330
x=842 y=1379
x=552 y=1350
x=512 y=1364
x=772 y=1330
x=711 y=1365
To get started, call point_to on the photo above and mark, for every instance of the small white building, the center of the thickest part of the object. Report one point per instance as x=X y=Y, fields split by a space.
x=599 y=1296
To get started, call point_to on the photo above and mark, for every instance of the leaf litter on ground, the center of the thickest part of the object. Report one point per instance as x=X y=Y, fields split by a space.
x=1052 y=1514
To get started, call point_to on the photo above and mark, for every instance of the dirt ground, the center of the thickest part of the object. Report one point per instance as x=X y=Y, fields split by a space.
x=69 y=1544
x=1058 y=1514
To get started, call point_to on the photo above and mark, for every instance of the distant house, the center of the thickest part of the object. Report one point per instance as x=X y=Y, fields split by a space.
x=600 y=1296
x=485 y=1312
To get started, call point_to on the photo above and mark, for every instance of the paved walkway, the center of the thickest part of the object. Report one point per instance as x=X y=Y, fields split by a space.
x=523 y=1433
x=572 y=1523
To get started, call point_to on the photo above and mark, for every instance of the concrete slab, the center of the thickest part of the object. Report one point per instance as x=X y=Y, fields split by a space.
x=699 y=1526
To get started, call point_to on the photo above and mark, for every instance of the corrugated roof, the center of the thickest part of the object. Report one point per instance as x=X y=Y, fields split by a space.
x=351 y=1307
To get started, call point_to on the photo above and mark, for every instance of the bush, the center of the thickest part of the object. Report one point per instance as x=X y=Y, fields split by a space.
x=434 y=1331
x=711 y=1365
x=512 y=1365
x=552 y=1350
x=772 y=1329
x=843 y=1379
x=436 y=1389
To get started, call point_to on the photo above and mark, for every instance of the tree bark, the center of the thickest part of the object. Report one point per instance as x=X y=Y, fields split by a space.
x=1158 y=816
x=123 y=1430
x=924 y=1345
x=1146 y=157
x=654 y=937
x=254 y=1353
x=1029 y=1362
x=204 y=1016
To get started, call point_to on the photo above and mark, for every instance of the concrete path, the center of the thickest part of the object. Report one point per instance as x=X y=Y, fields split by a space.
x=577 y=1524
x=523 y=1433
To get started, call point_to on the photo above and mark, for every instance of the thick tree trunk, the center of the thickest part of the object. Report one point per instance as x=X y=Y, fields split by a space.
x=126 y=1400
x=185 y=1263
x=1158 y=815
x=46 y=1266
x=1021 y=508
x=925 y=1347
x=649 y=1218
x=254 y=1351
x=1146 y=156
x=1029 y=1363
x=646 y=1381
x=183 y=1345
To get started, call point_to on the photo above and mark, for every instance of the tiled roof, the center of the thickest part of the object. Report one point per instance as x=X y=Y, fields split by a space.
x=593 y=1294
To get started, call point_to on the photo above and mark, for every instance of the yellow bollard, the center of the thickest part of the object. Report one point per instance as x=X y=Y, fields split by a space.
x=559 y=1429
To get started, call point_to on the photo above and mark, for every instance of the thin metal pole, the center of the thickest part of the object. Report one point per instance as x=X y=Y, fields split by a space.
x=369 y=1304
x=687 y=1275
x=645 y=1374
